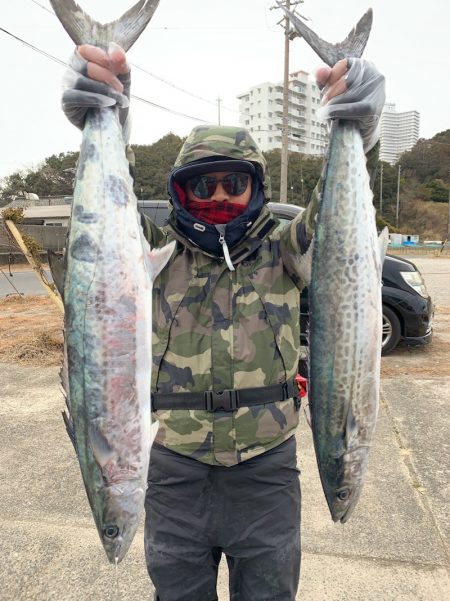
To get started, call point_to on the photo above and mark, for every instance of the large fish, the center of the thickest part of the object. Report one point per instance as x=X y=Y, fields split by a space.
x=345 y=302
x=108 y=312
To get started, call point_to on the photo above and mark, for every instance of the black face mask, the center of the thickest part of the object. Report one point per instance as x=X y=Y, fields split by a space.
x=207 y=236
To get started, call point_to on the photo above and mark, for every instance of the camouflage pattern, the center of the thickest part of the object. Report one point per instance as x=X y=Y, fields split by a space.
x=214 y=329
x=206 y=141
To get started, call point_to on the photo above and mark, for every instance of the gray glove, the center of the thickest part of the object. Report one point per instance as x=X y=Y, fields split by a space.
x=81 y=93
x=363 y=100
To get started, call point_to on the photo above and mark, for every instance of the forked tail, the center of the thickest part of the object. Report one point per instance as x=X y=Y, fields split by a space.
x=352 y=46
x=84 y=30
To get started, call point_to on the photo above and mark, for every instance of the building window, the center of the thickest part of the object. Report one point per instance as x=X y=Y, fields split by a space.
x=270 y=139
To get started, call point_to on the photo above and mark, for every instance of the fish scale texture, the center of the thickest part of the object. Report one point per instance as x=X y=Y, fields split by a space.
x=345 y=323
x=108 y=333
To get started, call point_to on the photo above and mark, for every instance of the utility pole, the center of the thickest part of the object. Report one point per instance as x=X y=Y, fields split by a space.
x=398 y=196
x=285 y=120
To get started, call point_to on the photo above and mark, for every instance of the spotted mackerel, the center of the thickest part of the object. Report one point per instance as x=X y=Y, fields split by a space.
x=345 y=302
x=108 y=313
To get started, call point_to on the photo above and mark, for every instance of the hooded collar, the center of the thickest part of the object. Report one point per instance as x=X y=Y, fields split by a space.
x=211 y=238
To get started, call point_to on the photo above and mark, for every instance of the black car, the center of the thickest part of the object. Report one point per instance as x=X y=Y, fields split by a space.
x=407 y=306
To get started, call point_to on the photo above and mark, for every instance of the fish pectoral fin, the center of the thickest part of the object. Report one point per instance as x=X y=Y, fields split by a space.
x=383 y=240
x=156 y=258
x=304 y=265
x=70 y=429
x=153 y=431
x=351 y=431
x=101 y=449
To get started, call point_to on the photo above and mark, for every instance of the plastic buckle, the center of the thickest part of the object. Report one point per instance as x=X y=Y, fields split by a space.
x=224 y=400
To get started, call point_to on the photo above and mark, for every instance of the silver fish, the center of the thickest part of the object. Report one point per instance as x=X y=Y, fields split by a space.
x=345 y=302
x=108 y=309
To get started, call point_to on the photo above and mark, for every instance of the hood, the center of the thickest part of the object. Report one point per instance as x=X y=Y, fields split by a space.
x=218 y=142
x=209 y=237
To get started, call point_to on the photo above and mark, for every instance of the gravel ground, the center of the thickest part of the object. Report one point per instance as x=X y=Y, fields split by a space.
x=396 y=547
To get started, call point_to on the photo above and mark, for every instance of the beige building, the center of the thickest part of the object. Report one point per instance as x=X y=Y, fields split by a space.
x=261 y=112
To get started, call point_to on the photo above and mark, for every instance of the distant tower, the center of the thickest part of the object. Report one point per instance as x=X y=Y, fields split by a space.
x=399 y=132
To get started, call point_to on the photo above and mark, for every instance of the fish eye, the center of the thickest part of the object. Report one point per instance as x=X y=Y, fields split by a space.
x=343 y=494
x=111 y=531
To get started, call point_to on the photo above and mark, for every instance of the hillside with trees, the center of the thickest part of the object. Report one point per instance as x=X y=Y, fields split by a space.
x=424 y=181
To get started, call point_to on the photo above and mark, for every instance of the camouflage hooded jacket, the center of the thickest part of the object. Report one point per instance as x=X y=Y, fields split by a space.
x=217 y=329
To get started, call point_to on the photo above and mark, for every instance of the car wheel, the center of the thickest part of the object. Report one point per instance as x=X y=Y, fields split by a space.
x=391 y=331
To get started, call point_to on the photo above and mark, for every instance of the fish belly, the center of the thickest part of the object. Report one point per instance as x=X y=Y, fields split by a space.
x=108 y=318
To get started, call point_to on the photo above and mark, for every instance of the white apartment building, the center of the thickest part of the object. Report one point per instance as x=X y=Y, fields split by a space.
x=261 y=112
x=398 y=132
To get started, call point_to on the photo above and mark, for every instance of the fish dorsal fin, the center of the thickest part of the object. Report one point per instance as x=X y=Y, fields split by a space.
x=352 y=46
x=85 y=30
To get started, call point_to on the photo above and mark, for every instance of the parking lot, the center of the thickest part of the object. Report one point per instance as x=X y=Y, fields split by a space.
x=396 y=546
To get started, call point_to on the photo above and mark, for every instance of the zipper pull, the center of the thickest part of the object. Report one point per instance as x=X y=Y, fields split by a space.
x=226 y=253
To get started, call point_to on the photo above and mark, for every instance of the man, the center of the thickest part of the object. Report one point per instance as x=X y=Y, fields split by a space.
x=223 y=476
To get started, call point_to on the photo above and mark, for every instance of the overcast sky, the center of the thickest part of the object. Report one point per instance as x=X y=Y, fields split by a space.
x=211 y=49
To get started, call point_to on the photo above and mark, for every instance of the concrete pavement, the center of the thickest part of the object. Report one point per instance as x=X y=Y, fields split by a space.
x=396 y=545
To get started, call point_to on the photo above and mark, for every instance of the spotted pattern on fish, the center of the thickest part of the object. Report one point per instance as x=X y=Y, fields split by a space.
x=84 y=249
x=345 y=323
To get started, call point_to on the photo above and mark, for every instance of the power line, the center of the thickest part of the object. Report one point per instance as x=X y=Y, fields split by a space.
x=35 y=48
x=165 y=27
x=44 y=8
x=164 y=108
x=64 y=64
x=141 y=99
x=157 y=77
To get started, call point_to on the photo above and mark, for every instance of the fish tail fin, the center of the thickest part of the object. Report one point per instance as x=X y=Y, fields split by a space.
x=383 y=240
x=352 y=46
x=153 y=431
x=157 y=258
x=57 y=264
x=85 y=30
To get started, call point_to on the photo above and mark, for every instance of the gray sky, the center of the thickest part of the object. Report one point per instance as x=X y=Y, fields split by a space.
x=211 y=48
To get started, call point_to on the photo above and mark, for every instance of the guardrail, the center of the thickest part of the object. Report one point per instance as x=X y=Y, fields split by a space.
x=419 y=249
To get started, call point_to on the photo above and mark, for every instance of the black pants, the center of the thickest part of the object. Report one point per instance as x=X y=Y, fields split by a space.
x=250 y=512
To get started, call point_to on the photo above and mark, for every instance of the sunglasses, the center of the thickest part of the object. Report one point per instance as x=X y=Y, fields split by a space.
x=204 y=186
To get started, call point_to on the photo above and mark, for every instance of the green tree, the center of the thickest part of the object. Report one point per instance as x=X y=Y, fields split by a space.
x=153 y=165
x=303 y=174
